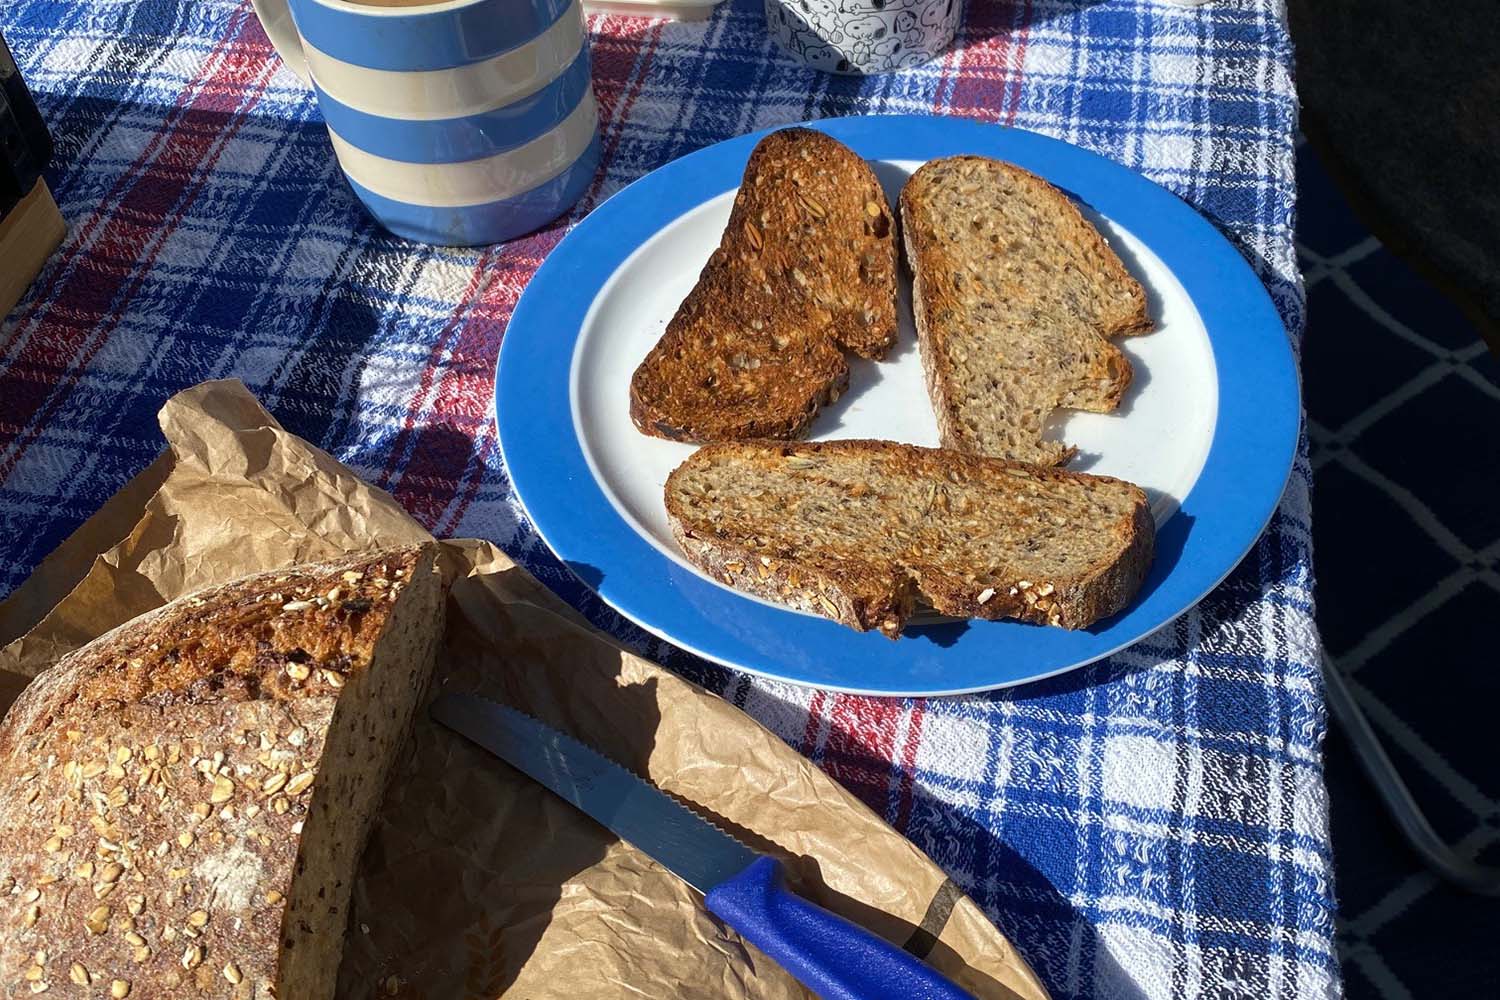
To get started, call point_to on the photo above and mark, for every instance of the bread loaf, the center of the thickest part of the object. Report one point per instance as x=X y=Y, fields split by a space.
x=861 y=531
x=183 y=801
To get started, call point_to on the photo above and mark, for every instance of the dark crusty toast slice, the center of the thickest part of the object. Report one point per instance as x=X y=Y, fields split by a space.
x=859 y=531
x=1016 y=297
x=806 y=269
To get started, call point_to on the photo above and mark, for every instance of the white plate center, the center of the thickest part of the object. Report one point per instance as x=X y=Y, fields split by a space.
x=1158 y=438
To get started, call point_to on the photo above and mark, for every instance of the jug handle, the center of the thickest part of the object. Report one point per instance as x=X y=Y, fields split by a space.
x=276 y=19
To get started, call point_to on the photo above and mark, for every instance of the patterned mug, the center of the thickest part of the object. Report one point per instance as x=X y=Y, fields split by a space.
x=457 y=122
x=863 y=36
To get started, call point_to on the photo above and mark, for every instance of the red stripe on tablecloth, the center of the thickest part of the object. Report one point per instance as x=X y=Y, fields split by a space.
x=908 y=762
x=457 y=394
x=92 y=288
x=622 y=49
x=477 y=346
x=994 y=50
x=861 y=745
x=814 y=723
x=434 y=468
x=432 y=373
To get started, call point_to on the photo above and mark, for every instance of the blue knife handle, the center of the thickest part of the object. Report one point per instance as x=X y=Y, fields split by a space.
x=834 y=958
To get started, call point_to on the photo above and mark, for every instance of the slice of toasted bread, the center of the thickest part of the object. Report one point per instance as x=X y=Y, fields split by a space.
x=859 y=531
x=806 y=270
x=1016 y=297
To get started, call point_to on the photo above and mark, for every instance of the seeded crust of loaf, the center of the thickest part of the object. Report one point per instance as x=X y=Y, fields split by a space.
x=1015 y=296
x=183 y=801
x=860 y=531
x=806 y=270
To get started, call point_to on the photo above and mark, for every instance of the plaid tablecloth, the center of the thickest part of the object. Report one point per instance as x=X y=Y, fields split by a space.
x=1152 y=826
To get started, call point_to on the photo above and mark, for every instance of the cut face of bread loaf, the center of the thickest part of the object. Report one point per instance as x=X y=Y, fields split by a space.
x=805 y=271
x=860 y=531
x=183 y=801
x=1016 y=297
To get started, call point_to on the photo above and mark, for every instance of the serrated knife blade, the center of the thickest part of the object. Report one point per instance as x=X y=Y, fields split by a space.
x=836 y=959
x=679 y=839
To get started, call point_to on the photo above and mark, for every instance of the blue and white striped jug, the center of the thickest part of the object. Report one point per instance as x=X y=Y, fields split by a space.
x=459 y=122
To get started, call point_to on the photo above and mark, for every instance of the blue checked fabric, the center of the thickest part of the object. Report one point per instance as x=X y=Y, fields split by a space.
x=1152 y=826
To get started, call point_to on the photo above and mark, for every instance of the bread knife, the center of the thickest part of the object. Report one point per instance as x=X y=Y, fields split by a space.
x=836 y=959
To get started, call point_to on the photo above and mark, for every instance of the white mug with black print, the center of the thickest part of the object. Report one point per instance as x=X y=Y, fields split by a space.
x=863 y=36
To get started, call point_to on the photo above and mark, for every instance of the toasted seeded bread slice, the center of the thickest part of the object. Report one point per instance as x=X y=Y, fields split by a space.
x=1015 y=297
x=859 y=531
x=806 y=270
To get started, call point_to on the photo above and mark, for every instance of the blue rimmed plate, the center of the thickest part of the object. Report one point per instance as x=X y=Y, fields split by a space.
x=1208 y=428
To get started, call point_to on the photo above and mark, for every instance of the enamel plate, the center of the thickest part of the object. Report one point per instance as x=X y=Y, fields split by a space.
x=1208 y=428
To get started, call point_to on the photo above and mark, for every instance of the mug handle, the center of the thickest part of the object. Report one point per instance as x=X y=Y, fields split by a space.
x=276 y=19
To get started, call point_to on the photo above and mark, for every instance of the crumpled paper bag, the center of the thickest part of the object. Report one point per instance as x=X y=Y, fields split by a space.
x=477 y=883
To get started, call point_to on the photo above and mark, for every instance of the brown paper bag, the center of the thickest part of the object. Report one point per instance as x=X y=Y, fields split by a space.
x=478 y=883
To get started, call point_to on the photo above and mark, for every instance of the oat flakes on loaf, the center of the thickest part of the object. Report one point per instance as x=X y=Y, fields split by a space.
x=183 y=801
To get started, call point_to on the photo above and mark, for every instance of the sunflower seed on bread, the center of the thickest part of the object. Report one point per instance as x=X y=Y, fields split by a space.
x=862 y=531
